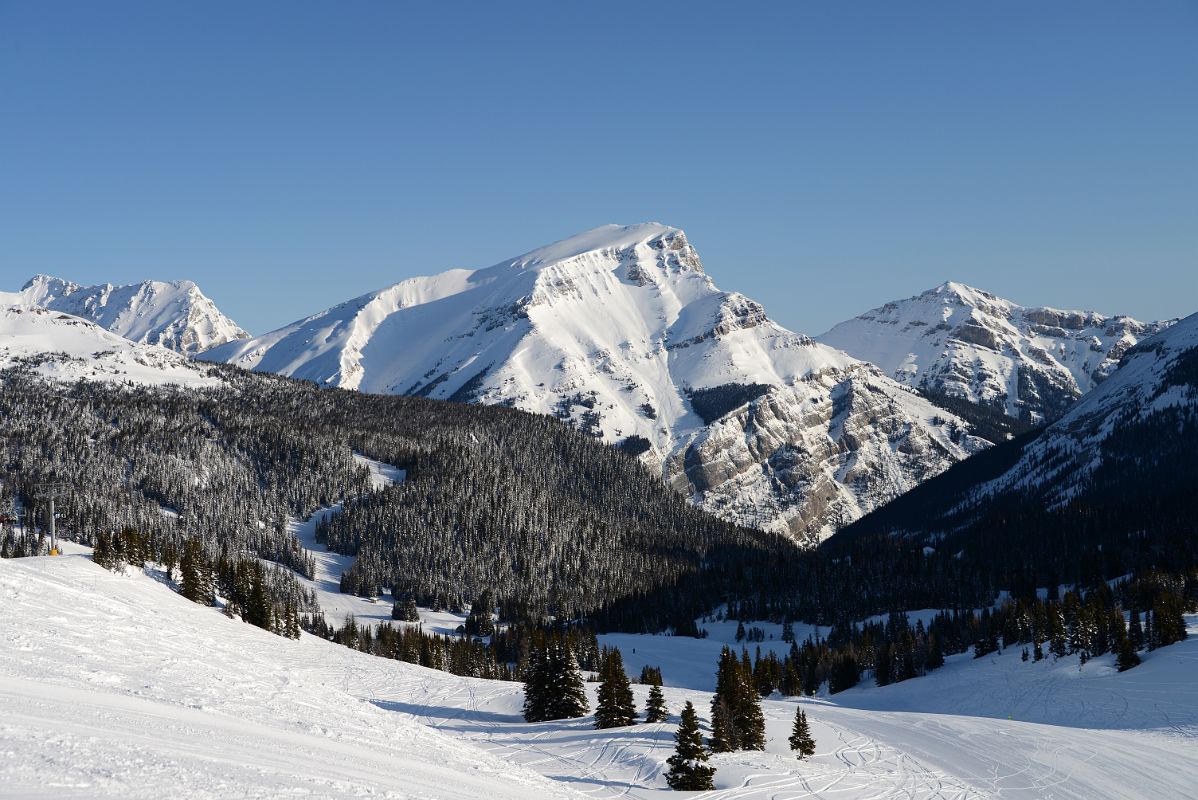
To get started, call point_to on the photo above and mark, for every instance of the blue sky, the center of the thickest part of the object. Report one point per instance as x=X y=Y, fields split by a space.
x=823 y=157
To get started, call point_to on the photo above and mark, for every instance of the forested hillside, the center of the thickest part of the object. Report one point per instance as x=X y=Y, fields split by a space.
x=546 y=517
x=555 y=523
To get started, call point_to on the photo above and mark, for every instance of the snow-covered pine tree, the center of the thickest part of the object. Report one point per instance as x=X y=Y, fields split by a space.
x=410 y=612
x=615 y=707
x=800 y=735
x=689 y=770
x=1056 y=630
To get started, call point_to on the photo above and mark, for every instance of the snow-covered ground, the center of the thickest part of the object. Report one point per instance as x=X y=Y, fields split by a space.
x=113 y=685
x=66 y=348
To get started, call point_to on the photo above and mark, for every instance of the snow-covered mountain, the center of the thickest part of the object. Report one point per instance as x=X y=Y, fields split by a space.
x=176 y=315
x=62 y=347
x=1129 y=423
x=1030 y=363
x=619 y=331
x=1119 y=465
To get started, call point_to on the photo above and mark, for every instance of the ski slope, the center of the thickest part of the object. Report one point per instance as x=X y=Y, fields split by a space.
x=113 y=685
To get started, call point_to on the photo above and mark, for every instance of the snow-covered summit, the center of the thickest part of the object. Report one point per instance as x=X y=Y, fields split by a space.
x=956 y=340
x=62 y=347
x=620 y=331
x=176 y=315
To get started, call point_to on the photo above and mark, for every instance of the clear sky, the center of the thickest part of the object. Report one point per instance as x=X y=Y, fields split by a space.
x=823 y=157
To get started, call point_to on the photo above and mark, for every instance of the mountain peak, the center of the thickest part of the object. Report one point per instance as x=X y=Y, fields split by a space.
x=174 y=314
x=604 y=238
x=971 y=345
x=952 y=291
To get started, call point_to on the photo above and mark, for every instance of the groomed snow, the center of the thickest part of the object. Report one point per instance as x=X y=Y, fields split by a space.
x=113 y=685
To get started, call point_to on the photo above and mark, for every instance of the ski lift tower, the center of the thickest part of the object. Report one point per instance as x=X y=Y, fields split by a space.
x=51 y=492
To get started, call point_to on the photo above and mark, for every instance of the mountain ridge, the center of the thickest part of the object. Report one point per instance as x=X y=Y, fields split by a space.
x=1030 y=363
x=174 y=314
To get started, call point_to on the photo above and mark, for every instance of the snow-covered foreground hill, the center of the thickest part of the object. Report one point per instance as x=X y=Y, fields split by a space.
x=620 y=331
x=66 y=348
x=112 y=685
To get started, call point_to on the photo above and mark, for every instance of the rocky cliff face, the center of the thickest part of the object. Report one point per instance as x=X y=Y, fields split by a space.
x=620 y=332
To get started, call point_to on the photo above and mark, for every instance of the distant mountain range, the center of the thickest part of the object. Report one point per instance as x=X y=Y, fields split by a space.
x=175 y=315
x=619 y=332
x=959 y=342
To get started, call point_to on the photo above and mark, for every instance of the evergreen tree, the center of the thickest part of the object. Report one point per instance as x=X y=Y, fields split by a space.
x=410 y=612
x=655 y=707
x=724 y=734
x=737 y=722
x=800 y=735
x=1127 y=657
x=1135 y=632
x=101 y=553
x=1056 y=631
x=564 y=691
x=845 y=673
x=195 y=582
x=689 y=770
x=750 y=721
x=536 y=683
x=615 y=707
